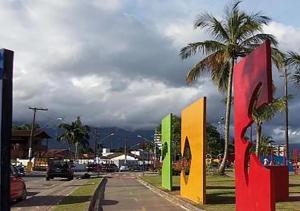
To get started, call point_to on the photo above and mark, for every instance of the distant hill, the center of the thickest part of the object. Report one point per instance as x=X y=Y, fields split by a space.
x=115 y=141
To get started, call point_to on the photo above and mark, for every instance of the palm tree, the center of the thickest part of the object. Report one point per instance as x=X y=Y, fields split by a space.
x=294 y=61
x=263 y=114
x=265 y=145
x=234 y=36
x=75 y=134
x=283 y=62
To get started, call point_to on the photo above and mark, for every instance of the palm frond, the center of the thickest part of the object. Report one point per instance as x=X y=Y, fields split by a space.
x=257 y=39
x=220 y=76
x=212 y=25
x=268 y=111
x=294 y=59
x=279 y=58
x=207 y=47
x=294 y=62
x=211 y=62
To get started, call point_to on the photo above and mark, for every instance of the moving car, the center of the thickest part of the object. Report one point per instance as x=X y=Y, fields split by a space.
x=59 y=168
x=18 y=190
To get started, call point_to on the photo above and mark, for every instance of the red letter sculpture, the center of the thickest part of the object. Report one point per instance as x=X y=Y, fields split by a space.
x=254 y=187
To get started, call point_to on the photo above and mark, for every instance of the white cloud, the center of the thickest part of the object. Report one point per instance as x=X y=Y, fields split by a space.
x=287 y=35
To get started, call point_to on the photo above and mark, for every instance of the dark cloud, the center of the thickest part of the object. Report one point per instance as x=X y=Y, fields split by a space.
x=113 y=62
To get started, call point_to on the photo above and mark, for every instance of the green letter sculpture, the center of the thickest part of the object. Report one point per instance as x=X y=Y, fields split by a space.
x=166 y=131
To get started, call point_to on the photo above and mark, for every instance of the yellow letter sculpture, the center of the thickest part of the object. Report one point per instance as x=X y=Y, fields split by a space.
x=193 y=123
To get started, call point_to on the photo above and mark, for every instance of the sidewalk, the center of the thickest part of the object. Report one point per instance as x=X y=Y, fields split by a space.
x=127 y=194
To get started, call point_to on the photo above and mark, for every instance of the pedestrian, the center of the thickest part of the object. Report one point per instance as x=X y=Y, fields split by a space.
x=266 y=161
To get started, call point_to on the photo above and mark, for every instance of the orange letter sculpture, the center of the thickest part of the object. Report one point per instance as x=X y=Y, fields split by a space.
x=193 y=120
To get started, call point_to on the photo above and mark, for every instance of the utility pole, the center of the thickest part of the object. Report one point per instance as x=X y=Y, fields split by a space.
x=125 y=149
x=96 y=145
x=35 y=109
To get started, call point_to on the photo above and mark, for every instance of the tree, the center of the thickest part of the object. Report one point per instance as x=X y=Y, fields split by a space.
x=234 y=36
x=176 y=136
x=214 y=141
x=265 y=113
x=294 y=61
x=265 y=145
x=283 y=62
x=75 y=134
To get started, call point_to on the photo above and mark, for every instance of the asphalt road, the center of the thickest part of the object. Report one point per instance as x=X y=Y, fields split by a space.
x=42 y=194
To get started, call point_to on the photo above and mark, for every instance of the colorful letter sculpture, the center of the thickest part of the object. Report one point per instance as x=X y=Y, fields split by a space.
x=255 y=190
x=193 y=120
x=166 y=140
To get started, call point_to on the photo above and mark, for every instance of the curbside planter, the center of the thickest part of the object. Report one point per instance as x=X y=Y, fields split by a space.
x=98 y=196
x=171 y=198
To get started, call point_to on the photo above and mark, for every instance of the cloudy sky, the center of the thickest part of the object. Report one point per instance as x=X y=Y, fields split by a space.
x=116 y=63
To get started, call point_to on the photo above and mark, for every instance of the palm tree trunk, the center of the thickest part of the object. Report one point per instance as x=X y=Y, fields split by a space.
x=227 y=118
x=286 y=115
x=258 y=136
x=76 y=150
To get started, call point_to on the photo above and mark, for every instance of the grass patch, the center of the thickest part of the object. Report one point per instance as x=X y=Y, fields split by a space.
x=79 y=199
x=220 y=192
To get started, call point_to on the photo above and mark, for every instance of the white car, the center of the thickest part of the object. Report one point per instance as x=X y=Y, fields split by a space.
x=124 y=168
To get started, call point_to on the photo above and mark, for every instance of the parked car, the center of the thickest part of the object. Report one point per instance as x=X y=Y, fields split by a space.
x=124 y=168
x=109 y=167
x=136 y=168
x=79 y=167
x=93 y=167
x=59 y=168
x=18 y=190
x=21 y=170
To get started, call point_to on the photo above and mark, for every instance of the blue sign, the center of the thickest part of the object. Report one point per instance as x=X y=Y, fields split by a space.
x=1 y=62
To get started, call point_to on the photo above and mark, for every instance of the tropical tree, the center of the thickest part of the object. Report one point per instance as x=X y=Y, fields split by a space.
x=234 y=36
x=215 y=143
x=294 y=61
x=283 y=62
x=75 y=134
x=263 y=114
x=265 y=145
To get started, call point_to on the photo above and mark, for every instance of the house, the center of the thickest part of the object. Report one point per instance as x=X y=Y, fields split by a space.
x=120 y=159
x=20 y=143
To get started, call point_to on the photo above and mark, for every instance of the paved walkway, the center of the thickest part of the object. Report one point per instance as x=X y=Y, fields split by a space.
x=126 y=194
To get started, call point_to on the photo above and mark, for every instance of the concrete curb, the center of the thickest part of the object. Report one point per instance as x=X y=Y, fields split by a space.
x=171 y=198
x=98 y=196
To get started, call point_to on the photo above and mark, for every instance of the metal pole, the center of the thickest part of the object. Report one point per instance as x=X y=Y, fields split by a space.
x=6 y=92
